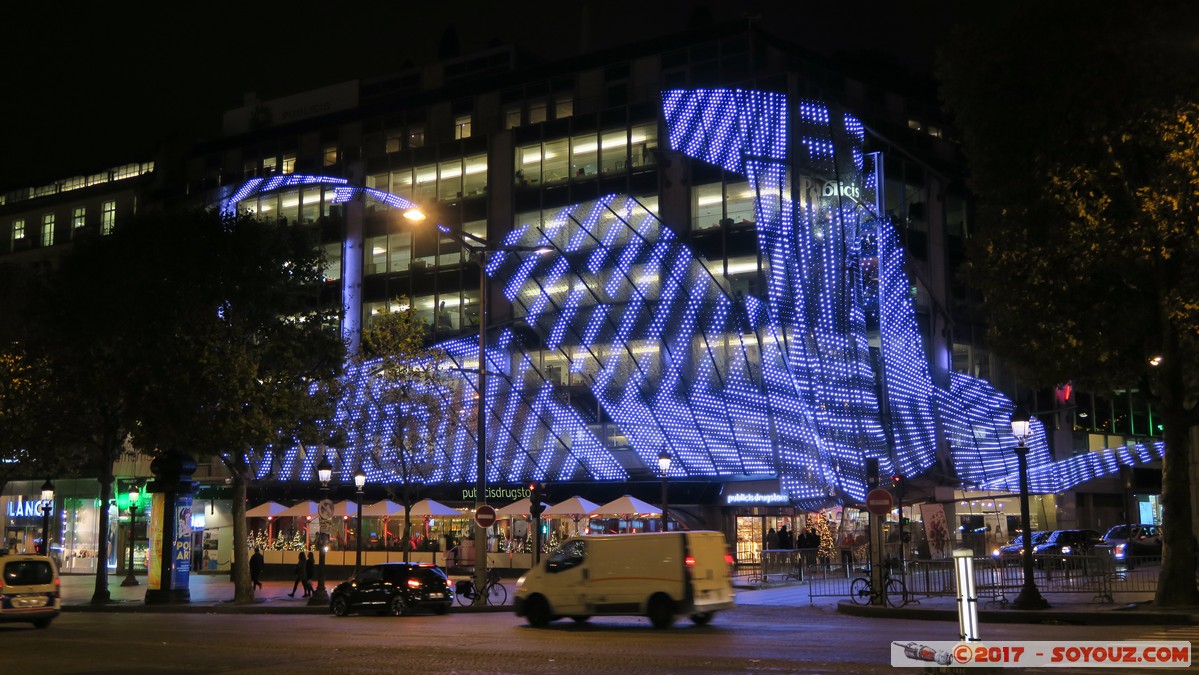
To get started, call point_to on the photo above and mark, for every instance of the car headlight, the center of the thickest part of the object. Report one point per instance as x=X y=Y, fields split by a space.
x=995 y=553
x=520 y=581
x=1066 y=550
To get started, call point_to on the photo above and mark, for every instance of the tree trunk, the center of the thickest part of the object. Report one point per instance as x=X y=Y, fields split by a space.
x=101 y=595
x=1176 y=581
x=407 y=532
x=243 y=589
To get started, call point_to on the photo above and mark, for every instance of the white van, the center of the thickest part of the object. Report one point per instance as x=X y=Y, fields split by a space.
x=29 y=589
x=659 y=575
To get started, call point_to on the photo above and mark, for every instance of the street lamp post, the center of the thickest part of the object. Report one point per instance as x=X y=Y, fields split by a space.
x=47 y=507
x=324 y=472
x=663 y=468
x=134 y=496
x=359 y=482
x=480 y=247
x=1029 y=597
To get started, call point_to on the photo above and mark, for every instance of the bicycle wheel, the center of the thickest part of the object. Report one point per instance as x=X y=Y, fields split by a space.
x=466 y=599
x=497 y=594
x=859 y=591
x=897 y=592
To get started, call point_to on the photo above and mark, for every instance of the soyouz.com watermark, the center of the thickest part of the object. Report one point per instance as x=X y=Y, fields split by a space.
x=1043 y=654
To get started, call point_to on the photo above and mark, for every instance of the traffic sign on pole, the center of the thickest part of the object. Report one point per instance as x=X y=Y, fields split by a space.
x=485 y=515
x=880 y=502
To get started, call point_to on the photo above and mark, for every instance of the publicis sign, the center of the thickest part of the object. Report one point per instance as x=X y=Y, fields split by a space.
x=28 y=508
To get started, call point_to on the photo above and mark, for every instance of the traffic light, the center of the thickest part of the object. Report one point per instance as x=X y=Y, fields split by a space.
x=536 y=497
x=895 y=480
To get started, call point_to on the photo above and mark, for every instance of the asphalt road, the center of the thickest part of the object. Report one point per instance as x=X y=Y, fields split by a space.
x=748 y=639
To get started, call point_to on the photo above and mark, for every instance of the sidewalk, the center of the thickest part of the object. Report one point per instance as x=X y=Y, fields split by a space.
x=1130 y=608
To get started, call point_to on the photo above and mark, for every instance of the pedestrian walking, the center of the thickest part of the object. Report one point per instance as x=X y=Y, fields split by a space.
x=309 y=573
x=301 y=572
x=256 y=565
x=772 y=540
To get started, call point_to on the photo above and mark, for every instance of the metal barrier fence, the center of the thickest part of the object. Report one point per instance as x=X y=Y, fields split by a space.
x=998 y=581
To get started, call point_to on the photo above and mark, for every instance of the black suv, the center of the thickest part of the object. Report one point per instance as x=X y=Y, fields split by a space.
x=399 y=588
x=1069 y=542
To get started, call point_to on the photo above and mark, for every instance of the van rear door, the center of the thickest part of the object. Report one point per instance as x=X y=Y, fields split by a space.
x=711 y=584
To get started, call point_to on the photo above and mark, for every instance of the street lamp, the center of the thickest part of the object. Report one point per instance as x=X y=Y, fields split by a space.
x=47 y=506
x=134 y=496
x=663 y=467
x=480 y=247
x=324 y=472
x=1029 y=597
x=359 y=482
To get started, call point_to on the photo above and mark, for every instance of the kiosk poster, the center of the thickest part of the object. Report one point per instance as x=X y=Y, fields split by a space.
x=154 y=572
x=183 y=542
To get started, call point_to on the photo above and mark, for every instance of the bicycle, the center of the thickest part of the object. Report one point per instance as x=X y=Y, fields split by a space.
x=494 y=592
x=894 y=593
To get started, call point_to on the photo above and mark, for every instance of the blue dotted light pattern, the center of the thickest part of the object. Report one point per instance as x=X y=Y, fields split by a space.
x=659 y=356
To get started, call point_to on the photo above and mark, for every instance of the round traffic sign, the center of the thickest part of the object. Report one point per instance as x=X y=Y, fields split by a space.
x=326 y=509
x=485 y=515
x=879 y=502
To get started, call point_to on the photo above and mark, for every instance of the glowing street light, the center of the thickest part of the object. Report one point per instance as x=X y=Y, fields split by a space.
x=1029 y=597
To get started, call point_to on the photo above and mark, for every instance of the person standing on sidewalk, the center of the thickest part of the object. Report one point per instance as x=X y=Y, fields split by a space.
x=256 y=565
x=301 y=574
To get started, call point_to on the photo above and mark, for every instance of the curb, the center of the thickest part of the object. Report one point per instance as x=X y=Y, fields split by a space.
x=229 y=607
x=1117 y=617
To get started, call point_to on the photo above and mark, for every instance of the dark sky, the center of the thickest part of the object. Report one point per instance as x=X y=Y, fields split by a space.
x=88 y=87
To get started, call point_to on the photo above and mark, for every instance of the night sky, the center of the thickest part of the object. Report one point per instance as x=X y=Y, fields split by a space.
x=88 y=87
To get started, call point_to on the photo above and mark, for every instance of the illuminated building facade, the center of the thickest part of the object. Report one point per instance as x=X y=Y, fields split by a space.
x=752 y=269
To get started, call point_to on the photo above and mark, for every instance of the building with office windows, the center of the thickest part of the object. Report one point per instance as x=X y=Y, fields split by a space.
x=749 y=268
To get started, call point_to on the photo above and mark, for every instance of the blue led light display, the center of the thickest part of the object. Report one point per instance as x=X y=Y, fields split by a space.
x=641 y=348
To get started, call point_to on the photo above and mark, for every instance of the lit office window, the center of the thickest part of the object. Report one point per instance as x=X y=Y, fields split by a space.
x=289 y=163
x=270 y=165
x=330 y=155
x=108 y=217
x=18 y=229
x=564 y=106
x=79 y=217
x=416 y=137
x=48 y=229
x=536 y=112
x=462 y=127
x=512 y=117
x=393 y=140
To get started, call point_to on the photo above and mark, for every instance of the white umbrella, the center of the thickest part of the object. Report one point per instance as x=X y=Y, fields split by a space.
x=383 y=509
x=626 y=506
x=520 y=508
x=347 y=507
x=575 y=506
x=428 y=507
x=267 y=510
x=308 y=508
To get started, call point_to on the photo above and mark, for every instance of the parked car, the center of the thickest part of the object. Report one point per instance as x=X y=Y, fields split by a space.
x=1011 y=551
x=30 y=589
x=1068 y=542
x=399 y=588
x=1146 y=540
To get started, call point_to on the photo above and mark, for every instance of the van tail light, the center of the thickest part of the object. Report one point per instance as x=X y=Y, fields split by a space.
x=689 y=561
x=57 y=587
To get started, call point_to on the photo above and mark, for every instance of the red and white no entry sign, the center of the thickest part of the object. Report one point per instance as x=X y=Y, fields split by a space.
x=879 y=502
x=485 y=515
